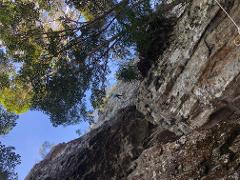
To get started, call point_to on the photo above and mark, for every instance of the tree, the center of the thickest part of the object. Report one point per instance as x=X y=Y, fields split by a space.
x=7 y=121
x=45 y=149
x=8 y=161
x=127 y=73
x=79 y=132
x=16 y=98
x=64 y=49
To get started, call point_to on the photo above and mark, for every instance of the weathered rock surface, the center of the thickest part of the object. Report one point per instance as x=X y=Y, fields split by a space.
x=186 y=121
x=104 y=153
x=128 y=90
x=206 y=154
x=198 y=70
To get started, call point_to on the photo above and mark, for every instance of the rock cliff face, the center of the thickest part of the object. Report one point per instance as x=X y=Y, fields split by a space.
x=198 y=71
x=113 y=105
x=104 y=153
x=184 y=120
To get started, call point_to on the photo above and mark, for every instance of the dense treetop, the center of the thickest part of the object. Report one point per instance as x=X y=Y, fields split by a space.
x=54 y=51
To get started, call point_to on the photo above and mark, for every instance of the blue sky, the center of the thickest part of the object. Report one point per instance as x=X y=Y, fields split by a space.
x=32 y=130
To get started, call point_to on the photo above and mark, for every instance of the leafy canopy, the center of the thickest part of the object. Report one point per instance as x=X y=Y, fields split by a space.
x=16 y=98
x=8 y=161
x=62 y=49
x=7 y=121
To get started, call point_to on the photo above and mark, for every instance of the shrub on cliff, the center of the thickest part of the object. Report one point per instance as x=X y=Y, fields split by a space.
x=127 y=73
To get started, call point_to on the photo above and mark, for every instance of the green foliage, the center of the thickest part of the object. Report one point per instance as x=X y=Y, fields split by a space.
x=63 y=53
x=127 y=73
x=7 y=121
x=5 y=70
x=15 y=95
x=61 y=96
x=8 y=161
x=93 y=9
x=97 y=98
x=16 y=19
x=16 y=98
